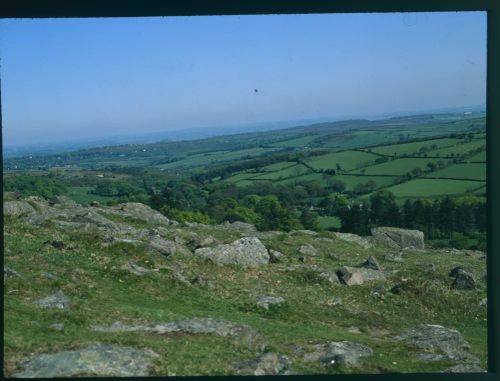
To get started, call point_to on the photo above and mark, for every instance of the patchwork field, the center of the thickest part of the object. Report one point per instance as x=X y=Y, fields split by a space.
x=473 y=171
x=422 y=188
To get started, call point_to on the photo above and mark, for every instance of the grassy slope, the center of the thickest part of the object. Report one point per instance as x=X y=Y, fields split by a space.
x=101 y=293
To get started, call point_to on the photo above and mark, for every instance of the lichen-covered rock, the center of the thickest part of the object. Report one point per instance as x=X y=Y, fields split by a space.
x=135 y=269
x=352 y=276
x=17 y=208
x=95 y=360
x=349 y=237
x=248 y=251
x=438 y=343
x=399 y=238
x=465 y=368
x=308 y=250
x=343 y=353
x=265 y=302
x=143 y=212
x=270 y=364
x=7 y=272
x=464 y=280
x=64 y=201
x=57 y=300
x=275 y=256
x=241 y=333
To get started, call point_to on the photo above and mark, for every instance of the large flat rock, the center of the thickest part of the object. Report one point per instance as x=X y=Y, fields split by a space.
x=248 y=251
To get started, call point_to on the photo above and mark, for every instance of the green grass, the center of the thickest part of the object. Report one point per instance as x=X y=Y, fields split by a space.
x=291 y=171
x=397 y=167
x=352 y=181
x=422 y=188
x=473 y=171
x=410 y=148
x=348 y=160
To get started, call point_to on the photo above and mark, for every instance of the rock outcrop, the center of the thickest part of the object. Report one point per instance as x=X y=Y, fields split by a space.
x=267 y=364
x=95 y=360
x=343 y=353
x=248 y=251
x=399 y=238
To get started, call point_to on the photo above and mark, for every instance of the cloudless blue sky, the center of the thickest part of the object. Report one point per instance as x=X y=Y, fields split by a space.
x=71 y=78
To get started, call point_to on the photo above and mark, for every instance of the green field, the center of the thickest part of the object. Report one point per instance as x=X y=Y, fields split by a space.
x=422 y=188
x=348 y=160
x=352 y=181
x=396 y=167
x=473 y=171
x=292 y=171
x=297 y=142
x=414 y=147
x=327 y=222
x=480 y=157
x=81 y=195
x=458 y=149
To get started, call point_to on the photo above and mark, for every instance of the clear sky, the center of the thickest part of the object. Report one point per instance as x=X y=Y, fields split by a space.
x=72 y=78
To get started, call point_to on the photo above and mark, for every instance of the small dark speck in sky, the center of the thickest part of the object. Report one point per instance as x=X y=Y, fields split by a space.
x=256 y=90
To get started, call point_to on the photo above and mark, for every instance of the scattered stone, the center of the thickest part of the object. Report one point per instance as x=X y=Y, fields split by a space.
x=269 y=363
x=243 y=334
x=355 y=276
x=334 y=302
x=275 y=256
x=201 y=281
x=7 y=272
x=135 y=269
x=57 y=326
x=354 y=330
x=399 y=238
x=430 y=268
x=439 y=343
x=464 y=281
x=454 y=272
x=329 y=277
x=57 y=300
x=243 y=227
x=343 y=353
x=349 y=237
x=371 y=263
x=394 y=257
x=465 y=368
x=483 y=302
x=378 y=291
x=180 y=278
x=50 y=276
x=163 y=246
x=268 y=301
x=349 y=277
x=95 y=360
x=307 y=232
x=55 y=244
x=307 y=250
x=247 y=251
x=397 y=288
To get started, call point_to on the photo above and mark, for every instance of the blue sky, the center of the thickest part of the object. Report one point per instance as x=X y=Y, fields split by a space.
x=72 y=78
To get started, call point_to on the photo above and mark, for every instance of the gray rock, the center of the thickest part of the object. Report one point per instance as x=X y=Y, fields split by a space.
x=163 y=246
x=355 y=276
x=307 y=250
x=135 y=269
x=378 y=291
x=200 y=280
x=275 y=256
x=439 y=343
x=397 y=288
x=57 y=326
x=343 y=353
x=95 y=360
x=454 y=272
x=64 y=201
x=465 y=368
x=248 y=251
x=267 y=301
x=399 y=238
x=483 y=302
x=7 y=272
x=50 y=276
x=394 y=257
x=143 y=212
x=243 y=227
x=371 y=263
x=349 y=237
x=271 y=364
x=57 y=300
x=330 y=277
x=17 y=208
x=464 y=281
x=430 y=268
x=241 y=333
